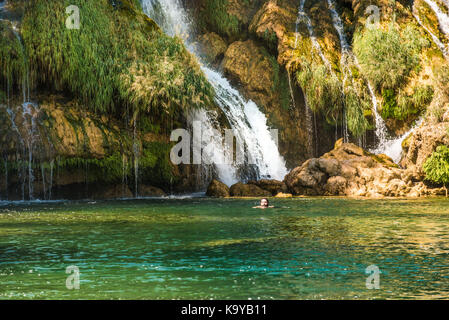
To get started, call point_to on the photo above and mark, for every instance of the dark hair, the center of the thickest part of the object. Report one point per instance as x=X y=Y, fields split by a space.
x=268 y=201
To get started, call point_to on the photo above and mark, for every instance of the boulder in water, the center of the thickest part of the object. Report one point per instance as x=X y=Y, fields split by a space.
x=248 y=190
x=150 y=191
x=273 y=186
x=112 y=192
x=218 y=189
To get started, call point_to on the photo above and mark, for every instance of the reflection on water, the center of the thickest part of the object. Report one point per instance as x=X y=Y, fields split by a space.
x=203 y=248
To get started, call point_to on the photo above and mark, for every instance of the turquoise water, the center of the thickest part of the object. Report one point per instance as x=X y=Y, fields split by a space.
x=221 y=249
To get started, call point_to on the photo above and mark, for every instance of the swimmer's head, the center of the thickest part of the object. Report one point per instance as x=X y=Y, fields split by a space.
x=264 y=202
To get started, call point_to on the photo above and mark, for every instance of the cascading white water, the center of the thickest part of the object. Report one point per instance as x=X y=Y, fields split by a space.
x=381 y=128
x=393 y=148
x=443 y=18
x=348 y=57
x=211 y=143
x=443 y=48
x=29 y=111
x=247 y=121
x=302 y=16
x=310 y=116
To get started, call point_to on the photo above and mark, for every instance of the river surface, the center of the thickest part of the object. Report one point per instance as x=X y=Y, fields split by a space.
x=198 y=248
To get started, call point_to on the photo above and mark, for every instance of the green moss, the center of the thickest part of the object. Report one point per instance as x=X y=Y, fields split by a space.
x=271 y=39
x=217 y=18
x=109 y=169
x=155 y=165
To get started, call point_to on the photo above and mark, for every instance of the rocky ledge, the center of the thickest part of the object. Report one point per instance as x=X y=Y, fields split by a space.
x=347 y=170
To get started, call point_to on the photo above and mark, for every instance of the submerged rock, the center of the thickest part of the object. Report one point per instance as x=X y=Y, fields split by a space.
x=217 y=189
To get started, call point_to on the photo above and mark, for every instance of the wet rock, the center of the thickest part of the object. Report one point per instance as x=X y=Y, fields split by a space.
x=336 y=186
x=217 y=189
x=245 y=63
x=150 y=191
x=284 y=195
x=422 y=144
x=212 y=47
x=273 y=186
x=272 y=20
x=248 y=190
x=112 y=192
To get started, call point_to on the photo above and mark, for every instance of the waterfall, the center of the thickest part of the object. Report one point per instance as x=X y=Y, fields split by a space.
x=30 y=110
x=136 y=153
x=310 y=116
x=214 y=151
x=348 y=56
x=381 y=128
x=393 y=148
x=249 y=124
x=443 y=18
x=443 y=48
x=302 y=16
x=52 y=163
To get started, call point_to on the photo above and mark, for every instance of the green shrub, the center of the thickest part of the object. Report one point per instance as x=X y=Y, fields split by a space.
x=401 y=106
x=436 y=167
x=355 y=115
x=118 y=58
x=387 y=56
x=322 y=89
x=389 y=105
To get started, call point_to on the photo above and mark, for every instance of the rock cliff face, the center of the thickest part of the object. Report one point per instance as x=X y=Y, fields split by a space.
x=324 y=55
x=57 y=149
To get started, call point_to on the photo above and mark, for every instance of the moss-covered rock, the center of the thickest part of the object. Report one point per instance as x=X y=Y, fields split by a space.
x=217 y=189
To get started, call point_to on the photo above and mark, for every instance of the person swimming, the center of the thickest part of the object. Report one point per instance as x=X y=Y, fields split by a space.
x=264 y=204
